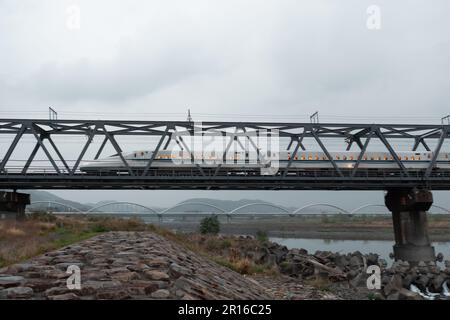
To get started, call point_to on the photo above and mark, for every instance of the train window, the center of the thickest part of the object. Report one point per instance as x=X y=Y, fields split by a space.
x=135 y=155
x=344 y=157
x=379 y=158
x=337 y=157
x=385 y=158
x=302 y=157
x=269 y=154
x=446 y=156
x=310 y=157
x=429 y=156
x=142 y=153
x=418 y=157
x=351 y=158
x=391 y=158
x=296 y=157
x=413 y=158
x=372 y=158
x=324 y=158
x=400 y=158
x=289 y=156
x=365 y=158
x=316 y=157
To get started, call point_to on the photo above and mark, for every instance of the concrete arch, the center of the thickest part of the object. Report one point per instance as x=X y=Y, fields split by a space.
x=259 y=204
x=193 y=203
x=367 y=206
x=319 y=204
x=121 y=202
x=383 y=206
x=57 y=203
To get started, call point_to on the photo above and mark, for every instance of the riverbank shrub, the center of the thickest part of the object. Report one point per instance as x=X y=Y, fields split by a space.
x=210 y=225
x=262 y=236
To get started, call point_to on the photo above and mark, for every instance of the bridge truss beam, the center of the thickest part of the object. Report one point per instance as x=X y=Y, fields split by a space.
x=61 y=175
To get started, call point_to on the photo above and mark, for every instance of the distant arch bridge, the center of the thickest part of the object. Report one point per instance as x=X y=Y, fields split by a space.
x=147 y=210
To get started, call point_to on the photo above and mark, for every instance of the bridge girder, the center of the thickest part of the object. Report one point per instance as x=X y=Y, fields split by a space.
x=62 y=175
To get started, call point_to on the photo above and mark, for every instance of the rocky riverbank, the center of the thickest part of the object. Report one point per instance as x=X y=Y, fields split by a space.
x=346 y=275
x=164 y=265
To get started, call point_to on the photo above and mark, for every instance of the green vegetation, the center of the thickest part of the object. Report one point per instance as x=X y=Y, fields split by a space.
x=261 y=236
x=210 y=225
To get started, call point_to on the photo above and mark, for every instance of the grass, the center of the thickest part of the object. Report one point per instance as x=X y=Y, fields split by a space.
x=42 y=232
x=225 y=251
x=321 y=283
x=244 y=266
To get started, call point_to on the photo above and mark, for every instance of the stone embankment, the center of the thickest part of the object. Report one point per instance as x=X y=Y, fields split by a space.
x=126 y=265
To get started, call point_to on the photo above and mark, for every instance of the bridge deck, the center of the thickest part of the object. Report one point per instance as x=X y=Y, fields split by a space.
x=309 y=180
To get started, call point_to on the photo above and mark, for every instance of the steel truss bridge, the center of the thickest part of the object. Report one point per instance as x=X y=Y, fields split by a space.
x=64 y=173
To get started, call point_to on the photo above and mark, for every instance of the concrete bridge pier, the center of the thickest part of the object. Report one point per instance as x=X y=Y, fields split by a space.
x=409 y=213
x=12 y=205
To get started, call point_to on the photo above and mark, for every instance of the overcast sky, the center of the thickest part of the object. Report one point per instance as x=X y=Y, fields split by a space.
x=225 y=59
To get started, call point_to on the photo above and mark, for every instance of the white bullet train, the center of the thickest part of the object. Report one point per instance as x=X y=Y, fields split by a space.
x=240 y=160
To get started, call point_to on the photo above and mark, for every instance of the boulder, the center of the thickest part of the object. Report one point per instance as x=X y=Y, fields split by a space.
x=125 y=276
x=341 y=261
x=176 y=271
x=112 y=294
x=65 y=296
x=91 y=287
x=17 y=293
x=405 y=294
x=38 y=285
x=382 y=263
x=422 y=282
x=422 y=267
x=408 y=279
x=356 y=262
x=161 y=294
x=394 y=285
x=393 y=296
x=64 y=265
x=56 y=291
x=156 y=275
x=372 y=259
x=11 y=281
x=436 y=283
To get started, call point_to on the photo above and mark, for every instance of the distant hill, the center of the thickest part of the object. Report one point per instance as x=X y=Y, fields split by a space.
x=229 y=205
x=48 y=196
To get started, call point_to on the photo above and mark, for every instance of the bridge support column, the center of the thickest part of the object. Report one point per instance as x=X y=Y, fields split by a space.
x=409 y=216
x=12 y=204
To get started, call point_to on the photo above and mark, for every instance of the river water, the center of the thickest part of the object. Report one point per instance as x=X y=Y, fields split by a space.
x=382 y=248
